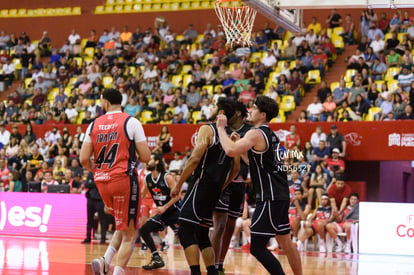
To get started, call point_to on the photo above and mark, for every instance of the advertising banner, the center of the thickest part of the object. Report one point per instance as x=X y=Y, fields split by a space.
x=370 y=141
x=43 y=215
x=386 y=228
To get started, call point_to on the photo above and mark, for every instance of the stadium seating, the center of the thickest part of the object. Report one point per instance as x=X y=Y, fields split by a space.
x=40 y=12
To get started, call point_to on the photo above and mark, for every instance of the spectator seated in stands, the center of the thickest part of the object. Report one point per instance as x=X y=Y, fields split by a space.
x=176 y=164
x=321 y=216
x=317 y=184
x=314 y=109
x=328 y=108
x=343 y=223
x=298 y=211
x=408 y=113
x=339 y=193
x=405 y=79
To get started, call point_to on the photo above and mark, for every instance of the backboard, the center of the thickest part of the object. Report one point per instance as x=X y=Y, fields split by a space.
x=290 y=19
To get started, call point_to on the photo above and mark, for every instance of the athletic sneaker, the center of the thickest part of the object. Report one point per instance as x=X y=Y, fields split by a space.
x=100 y=267
x=233 y=243
x=300 y=246
x=220 y=272
x=348 y=248
x=322 y=248
x=156 y=262
x=245 y=247
x=339 y=248
x=273 y=244
x=144 y=247
x=164 y=246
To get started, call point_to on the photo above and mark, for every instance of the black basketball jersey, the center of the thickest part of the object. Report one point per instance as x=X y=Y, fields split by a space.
x=214 y=164
x=266 y=171
x=244 y=168
x=159 y=189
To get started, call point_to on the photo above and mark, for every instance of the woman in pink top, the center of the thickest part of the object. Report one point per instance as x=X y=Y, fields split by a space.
x=169 y=97
x=328 y=107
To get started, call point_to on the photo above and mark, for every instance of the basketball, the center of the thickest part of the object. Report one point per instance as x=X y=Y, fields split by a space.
x=159 y=21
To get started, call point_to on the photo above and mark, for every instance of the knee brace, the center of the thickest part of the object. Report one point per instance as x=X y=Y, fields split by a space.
x=186 y=234
x=203 y=237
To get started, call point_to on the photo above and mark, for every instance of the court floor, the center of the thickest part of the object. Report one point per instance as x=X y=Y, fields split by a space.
x=56 y=256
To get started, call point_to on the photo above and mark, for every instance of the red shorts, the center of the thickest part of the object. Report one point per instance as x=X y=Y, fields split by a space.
x=121 y=197
x=315 y=225
x=146 y=206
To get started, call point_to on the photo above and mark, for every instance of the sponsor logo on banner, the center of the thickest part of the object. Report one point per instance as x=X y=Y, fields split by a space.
x=401 y=140
x=18 y=216
x=281 y=134
x=353 y=138
x=386 y=228
x=152 y=141
x=406 y=228
x=194 y=139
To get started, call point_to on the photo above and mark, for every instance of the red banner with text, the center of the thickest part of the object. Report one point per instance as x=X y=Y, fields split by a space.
x=387 y=140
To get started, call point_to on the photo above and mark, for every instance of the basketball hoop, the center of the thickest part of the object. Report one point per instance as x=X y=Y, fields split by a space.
x=237 y=21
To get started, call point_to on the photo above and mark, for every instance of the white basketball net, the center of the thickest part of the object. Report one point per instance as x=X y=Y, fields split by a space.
x=237 y=21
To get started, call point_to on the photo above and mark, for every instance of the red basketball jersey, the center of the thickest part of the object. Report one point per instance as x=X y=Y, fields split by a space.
x=114 y=152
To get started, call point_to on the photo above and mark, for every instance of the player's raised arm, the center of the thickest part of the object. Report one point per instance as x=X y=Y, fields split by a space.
x=239 y=147
x=205 y=135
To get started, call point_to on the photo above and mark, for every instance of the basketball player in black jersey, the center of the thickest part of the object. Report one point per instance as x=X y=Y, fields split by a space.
x=212 y=170
x=159 y=183
x=230 y=205
x=270 y=183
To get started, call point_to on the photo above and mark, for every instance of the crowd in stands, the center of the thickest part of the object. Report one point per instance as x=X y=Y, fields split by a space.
x=168 y=78
x=379 y=81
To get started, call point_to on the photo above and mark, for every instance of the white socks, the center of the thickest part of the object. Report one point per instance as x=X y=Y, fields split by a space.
x=109 y=254
x=338 y=241
x=118 y=270
x=294 y=239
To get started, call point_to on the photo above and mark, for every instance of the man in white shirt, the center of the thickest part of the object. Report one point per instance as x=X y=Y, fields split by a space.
x=176 y=164
x=269 y=60
x=314 y=109
x=377 y=44
x=8 y=72
x=206 y=108
x=71 y=112
x=73 y=37
x=181 y=107
x=317 y=136
x=53 y=136
x=94 y=109
x=36 y=73
x=114 y=34
x=4 y=135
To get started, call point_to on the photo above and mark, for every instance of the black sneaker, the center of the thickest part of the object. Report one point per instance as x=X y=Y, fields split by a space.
x=164 y=246
x=144 y=247
x=156 y=262
x=86 y=241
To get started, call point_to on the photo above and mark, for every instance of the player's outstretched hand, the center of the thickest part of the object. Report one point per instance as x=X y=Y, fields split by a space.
x=221 y=121
x=174 y=192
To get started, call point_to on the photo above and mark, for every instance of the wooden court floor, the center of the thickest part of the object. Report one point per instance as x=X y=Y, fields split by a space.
x=55 y=256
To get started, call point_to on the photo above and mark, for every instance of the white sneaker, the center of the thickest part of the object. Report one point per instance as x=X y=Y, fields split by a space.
x=233 y=243
x=348 y=248
x=299 y=245
x=322 y=248
x=339 y=248
x=100 y=267
x=273 y=244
